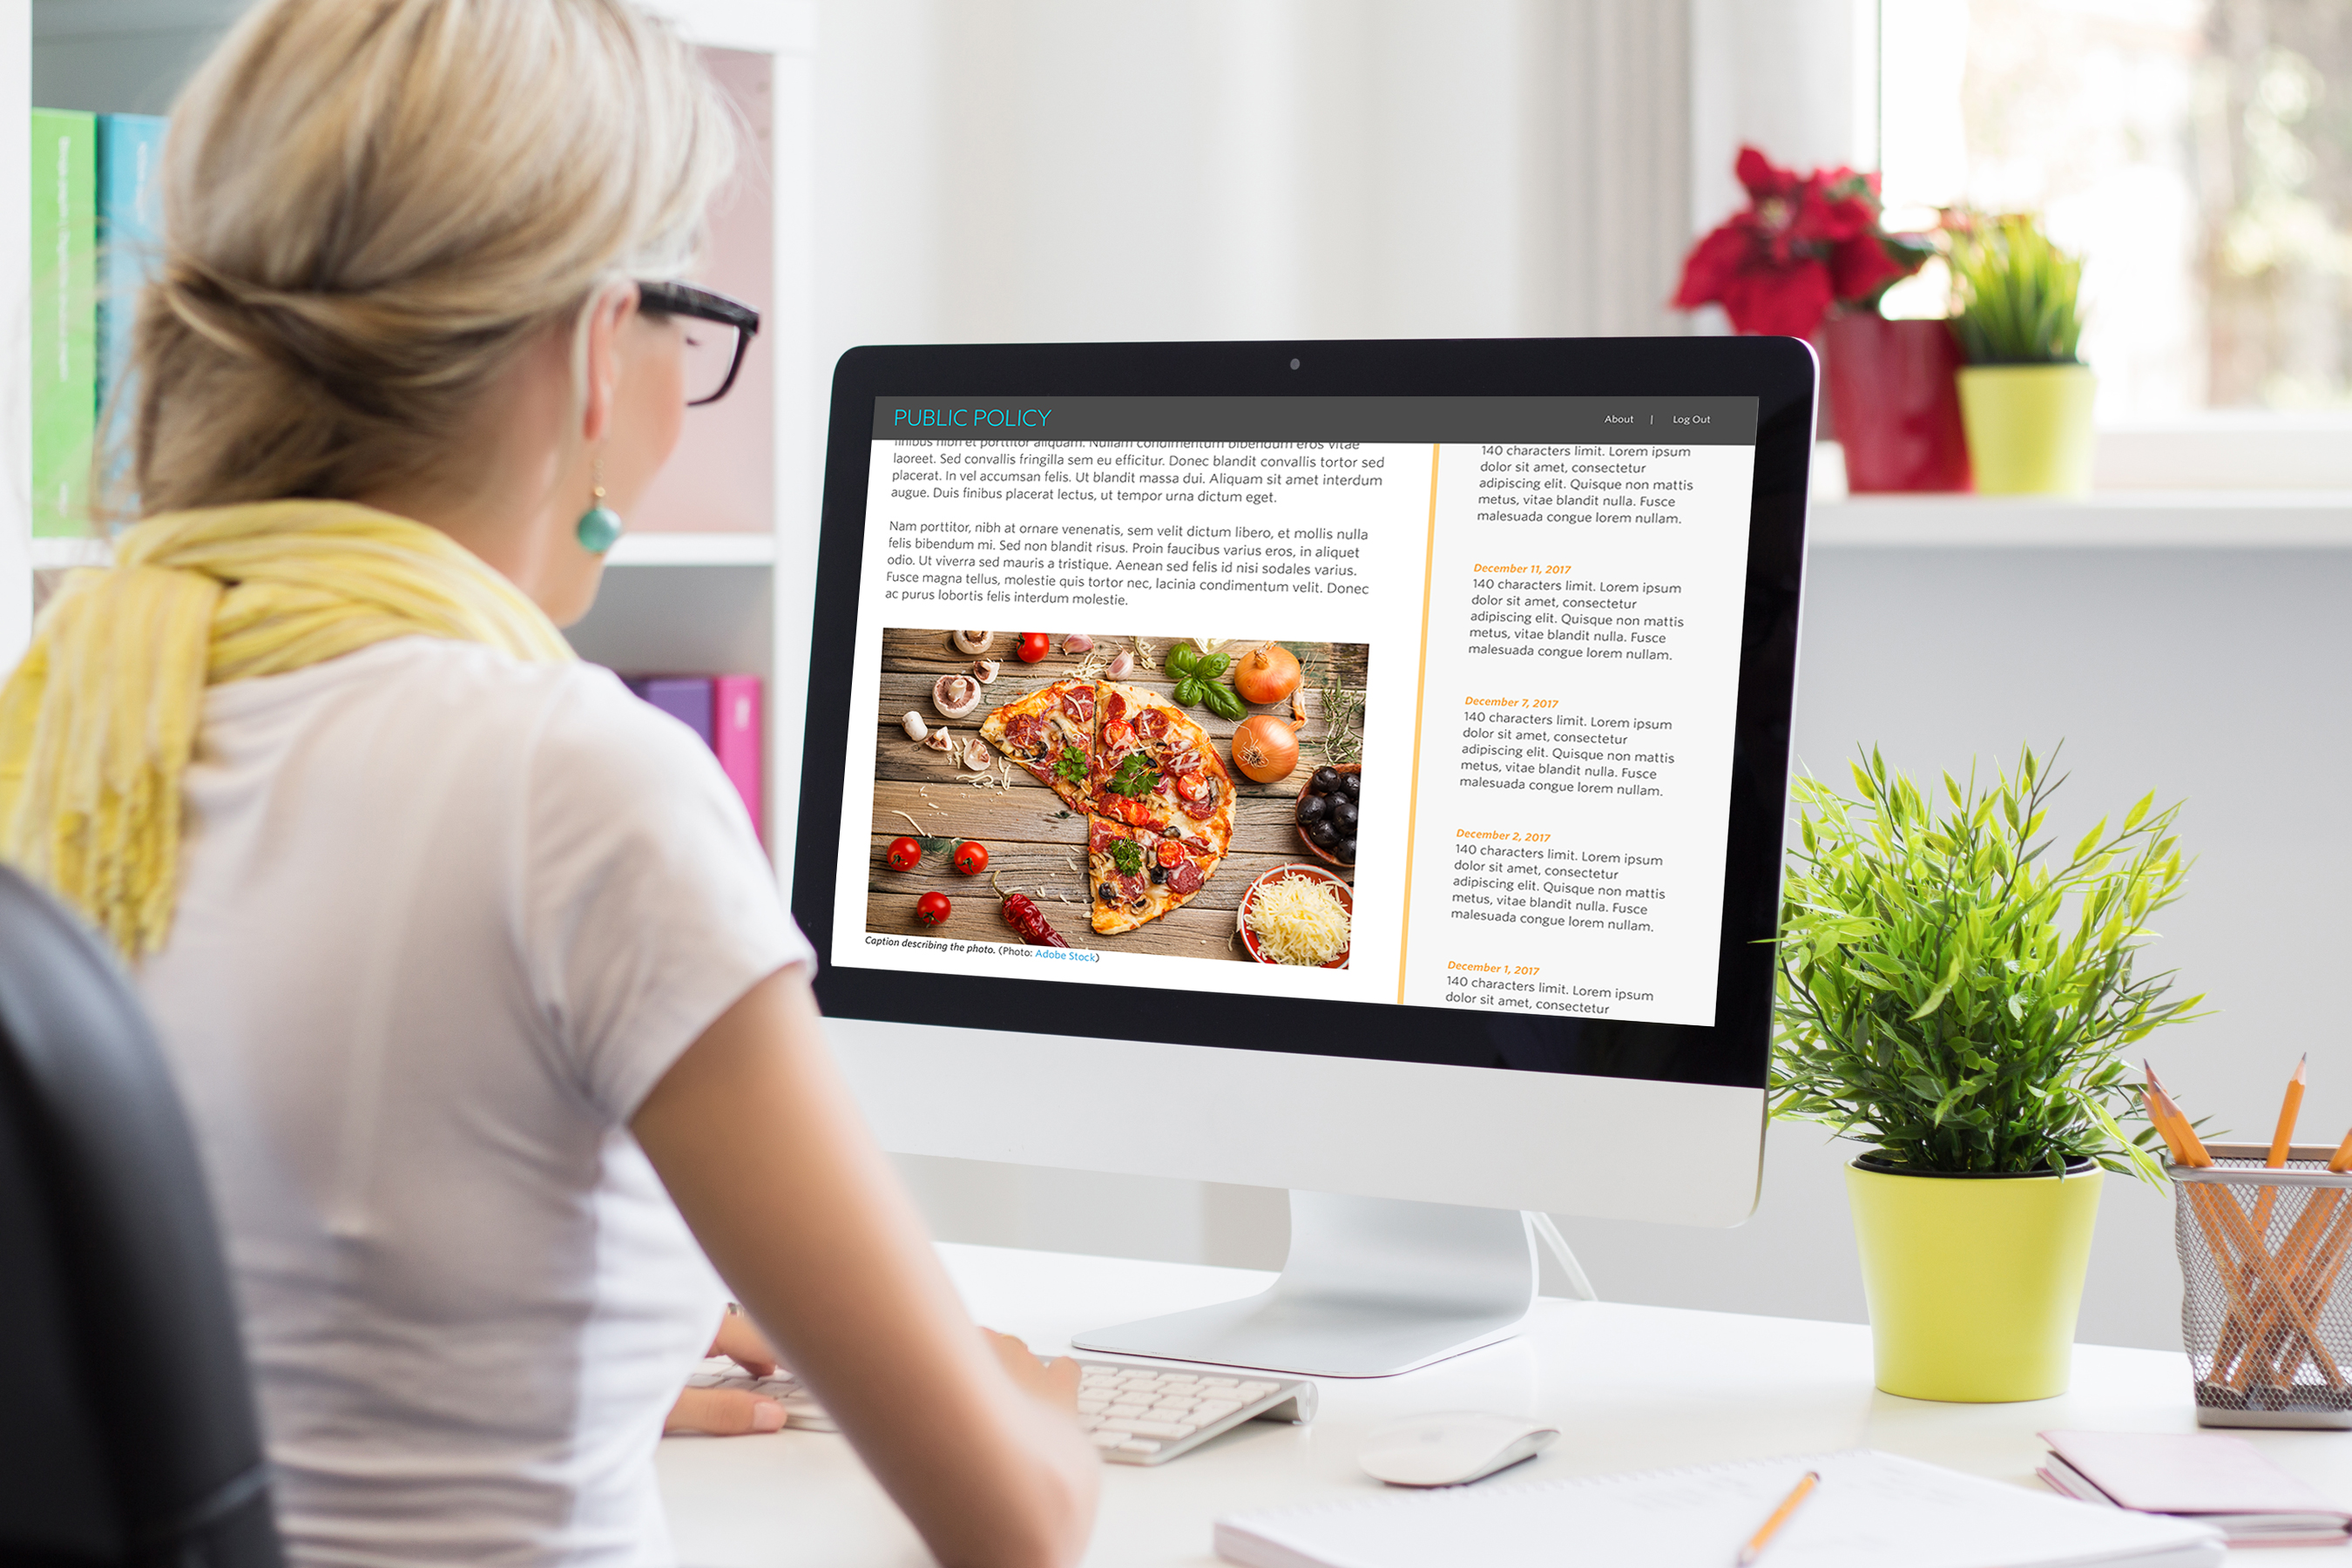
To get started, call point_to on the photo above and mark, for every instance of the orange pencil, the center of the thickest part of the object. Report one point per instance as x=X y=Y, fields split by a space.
x=2156 y=1119
x=2236 y=1330
x=2314 y=1248
x=1772 y=1527
x=2301 y=1256
x=2265 y=1340
x=2238 y=1326
x=2281 y=1140
x=2192 y=1148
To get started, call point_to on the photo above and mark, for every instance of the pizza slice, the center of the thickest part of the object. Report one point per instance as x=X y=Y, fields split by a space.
x=1197 y=779
x=1135 y=875
x=1051 y=732
x=1155 y=767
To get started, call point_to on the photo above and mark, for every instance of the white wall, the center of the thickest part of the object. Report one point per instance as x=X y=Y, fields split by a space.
x=1799 y=79
x=1055 y=169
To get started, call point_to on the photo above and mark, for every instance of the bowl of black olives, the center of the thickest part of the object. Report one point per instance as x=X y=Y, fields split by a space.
x=1325 y=812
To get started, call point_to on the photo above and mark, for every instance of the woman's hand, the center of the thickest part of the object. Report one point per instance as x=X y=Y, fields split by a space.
x=733 y=1412
x=738 y=1412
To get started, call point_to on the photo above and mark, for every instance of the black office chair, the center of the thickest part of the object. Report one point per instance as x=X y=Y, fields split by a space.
x=127 y=1429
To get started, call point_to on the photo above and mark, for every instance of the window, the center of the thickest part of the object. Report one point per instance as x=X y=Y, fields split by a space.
x=2198 y=152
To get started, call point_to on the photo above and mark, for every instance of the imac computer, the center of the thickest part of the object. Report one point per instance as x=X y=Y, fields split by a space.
x=1352 y=767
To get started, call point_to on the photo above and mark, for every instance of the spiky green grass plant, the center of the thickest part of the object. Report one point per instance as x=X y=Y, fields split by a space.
x=1953 y=993
x=2019 y=295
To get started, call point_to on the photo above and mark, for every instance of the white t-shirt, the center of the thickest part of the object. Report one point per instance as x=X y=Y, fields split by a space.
x=445 y=919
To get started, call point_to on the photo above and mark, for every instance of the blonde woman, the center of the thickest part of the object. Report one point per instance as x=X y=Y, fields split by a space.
x=479 y=993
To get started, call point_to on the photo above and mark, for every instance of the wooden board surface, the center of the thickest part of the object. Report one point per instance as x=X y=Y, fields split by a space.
x=1035 y=845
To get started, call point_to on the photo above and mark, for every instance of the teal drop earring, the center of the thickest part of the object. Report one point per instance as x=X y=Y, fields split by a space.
x=600 y=525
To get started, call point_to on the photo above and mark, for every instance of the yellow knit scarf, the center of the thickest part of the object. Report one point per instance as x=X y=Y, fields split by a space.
x=97 y=723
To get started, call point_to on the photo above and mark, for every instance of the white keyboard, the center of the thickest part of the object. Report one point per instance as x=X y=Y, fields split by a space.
x=1148 y=1415
x=1134 y=1415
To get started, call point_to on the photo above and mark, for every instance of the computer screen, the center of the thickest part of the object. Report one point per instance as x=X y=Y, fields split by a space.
x=1445 y=727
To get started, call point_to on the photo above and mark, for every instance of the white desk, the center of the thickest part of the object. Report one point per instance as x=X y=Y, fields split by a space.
x=1630 y=1387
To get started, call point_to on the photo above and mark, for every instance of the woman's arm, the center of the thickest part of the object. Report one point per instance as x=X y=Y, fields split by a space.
x=767 y=1157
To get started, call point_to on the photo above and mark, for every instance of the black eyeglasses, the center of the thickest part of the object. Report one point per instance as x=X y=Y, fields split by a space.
x=719 y=332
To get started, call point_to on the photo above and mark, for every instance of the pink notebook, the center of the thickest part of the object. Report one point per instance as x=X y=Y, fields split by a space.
x=2226 y=1482
x=735 y=736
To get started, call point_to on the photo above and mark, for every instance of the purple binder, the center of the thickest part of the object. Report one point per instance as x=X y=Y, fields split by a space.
x=685 y=698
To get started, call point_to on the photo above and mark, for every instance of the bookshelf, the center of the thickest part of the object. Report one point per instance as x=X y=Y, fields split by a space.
x=716 y=572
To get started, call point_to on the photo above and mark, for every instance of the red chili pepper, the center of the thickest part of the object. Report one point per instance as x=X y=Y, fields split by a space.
x=1021 y=913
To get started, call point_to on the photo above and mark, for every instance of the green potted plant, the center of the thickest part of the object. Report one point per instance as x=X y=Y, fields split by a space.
x=1958 y=996
x=2025 y=393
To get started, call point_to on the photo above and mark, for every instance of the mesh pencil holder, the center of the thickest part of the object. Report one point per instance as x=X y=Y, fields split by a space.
x=2266 y=1297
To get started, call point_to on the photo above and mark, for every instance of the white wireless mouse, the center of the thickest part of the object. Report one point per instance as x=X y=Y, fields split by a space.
x=1451 y=1447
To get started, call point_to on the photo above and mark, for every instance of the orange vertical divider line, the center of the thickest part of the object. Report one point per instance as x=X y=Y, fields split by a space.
x=1420 y=698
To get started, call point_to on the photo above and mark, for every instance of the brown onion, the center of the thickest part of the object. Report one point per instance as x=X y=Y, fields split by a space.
x=1265 y=748
x=1267 y=676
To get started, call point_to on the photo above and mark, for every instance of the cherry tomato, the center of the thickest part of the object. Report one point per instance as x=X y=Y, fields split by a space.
x=903 y=854
x=1170 y=853
x=933 y=909
x=970 y=857
x=1035 y=645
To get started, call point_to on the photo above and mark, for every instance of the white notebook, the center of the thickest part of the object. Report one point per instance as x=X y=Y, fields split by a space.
x=1871 y=1510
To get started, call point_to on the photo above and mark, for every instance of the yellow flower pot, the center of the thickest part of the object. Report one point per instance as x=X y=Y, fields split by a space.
x=2029 y=427
x=1974 y=1282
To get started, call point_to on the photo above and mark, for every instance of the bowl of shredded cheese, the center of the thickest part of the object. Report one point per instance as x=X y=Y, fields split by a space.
x=1298 y=914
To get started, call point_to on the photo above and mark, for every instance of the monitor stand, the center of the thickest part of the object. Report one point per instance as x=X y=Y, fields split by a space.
x=1372 y=1287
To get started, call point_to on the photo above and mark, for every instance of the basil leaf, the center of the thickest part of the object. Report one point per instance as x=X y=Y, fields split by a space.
x=1181 y=660
x=1188 y=692
x=1134 y=777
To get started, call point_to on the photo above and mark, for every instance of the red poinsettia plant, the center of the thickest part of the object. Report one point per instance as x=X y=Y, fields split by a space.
x=1806 y=243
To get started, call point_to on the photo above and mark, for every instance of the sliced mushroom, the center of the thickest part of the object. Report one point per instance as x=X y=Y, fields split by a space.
x=985 y=669
x=941 y=740
x=973 y=642
x=1120 y=666
x=975 y=754
x=912 y=722
x=955 y=695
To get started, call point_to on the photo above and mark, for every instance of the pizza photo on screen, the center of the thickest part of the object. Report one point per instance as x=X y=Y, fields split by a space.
x=1162 y=795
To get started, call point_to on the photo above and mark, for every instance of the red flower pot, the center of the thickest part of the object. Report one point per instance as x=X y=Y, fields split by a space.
x=1894 y=401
